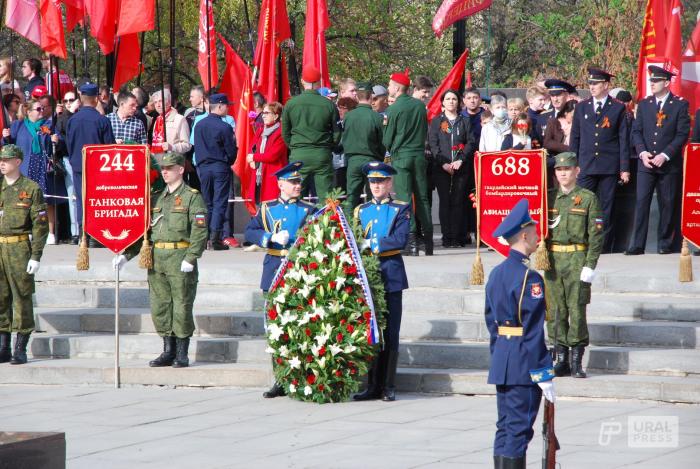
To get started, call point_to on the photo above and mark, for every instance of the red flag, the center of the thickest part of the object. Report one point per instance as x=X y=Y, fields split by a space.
x=103 y=22
x=128 y=55
x=52 y=39
x=451 y=81
x=452 y=11
x=136 y=16
x=75 y=10
x=273 y=29
x=207 y=65
x=234 y=77
x=286 y=93
x=23 y=17
x=315 y=53
x=244 y=140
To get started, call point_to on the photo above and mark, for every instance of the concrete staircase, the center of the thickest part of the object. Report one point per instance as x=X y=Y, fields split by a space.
x=644 y=326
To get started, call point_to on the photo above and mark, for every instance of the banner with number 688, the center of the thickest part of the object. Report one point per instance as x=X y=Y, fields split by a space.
x=502 y=179
x=116 y=190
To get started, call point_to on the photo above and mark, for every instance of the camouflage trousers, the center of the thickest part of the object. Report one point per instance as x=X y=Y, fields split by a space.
x=172 y=294
x=16 y=288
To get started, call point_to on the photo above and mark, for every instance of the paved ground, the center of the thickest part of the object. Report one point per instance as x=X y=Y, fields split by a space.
x=151 y=427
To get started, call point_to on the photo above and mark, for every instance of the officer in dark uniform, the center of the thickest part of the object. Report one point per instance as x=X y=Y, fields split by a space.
x=521 y=367
x=386 y=226
x=275 y=228
x=659 y=132
x=559 y=94
x=599 y=138
x=215 y=147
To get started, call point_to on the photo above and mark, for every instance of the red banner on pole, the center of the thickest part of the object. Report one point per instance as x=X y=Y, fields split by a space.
x=690 y=213
x=116 y=191
x=502 y=179
x=452 y=11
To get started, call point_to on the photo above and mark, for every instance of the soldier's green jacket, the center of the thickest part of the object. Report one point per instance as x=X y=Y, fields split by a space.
x=576 y=218
x=23 y=211
x=363 y=129
x=310 y=123
x=406 y=127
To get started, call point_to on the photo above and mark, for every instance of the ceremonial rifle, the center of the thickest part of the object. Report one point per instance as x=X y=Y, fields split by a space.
x=550 y=444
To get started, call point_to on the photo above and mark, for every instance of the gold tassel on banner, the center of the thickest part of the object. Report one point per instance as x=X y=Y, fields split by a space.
x=542 y=257
x=685 y=273
x=146 y=255
x=477 y=270
x=478 y=267
x=83 y=261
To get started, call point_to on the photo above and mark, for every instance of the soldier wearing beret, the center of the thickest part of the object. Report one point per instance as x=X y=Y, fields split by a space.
x=521 y=367
x=179 y=235
x=659 y=132
x=22 y=214
x=574 y=241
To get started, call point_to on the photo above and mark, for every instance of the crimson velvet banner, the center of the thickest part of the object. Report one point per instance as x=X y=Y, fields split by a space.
x=690 y=214
x=502 y=179
x=116 y=190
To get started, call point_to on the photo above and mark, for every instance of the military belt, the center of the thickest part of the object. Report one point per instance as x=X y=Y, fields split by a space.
x=568 y=247
x=510 y=331
x=278 y=252
x=165 y=245
x=13 y=239
x=388 y=253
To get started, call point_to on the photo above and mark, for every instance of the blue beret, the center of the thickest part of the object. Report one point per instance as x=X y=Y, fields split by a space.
x=290 y=172
x=517 y=219
x=376 y=169
x=89 y=89
x=219 y=98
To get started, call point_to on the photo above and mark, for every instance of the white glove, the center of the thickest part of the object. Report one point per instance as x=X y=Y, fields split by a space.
x=548 y=390
x=365 y=244
x=32 y=267
x=186 y=267
x=280 y=238
x=587 y=275
x=119 y=261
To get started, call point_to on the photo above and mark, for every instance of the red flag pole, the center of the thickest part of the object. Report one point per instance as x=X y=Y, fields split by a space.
x=160 y=69
x=208 y=39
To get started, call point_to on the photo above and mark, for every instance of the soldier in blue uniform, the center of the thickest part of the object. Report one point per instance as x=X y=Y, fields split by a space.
x=659 y=132
x=215 y=147
x=599 y=138
x=386 y=225
x=274 y=227
x=521 y=367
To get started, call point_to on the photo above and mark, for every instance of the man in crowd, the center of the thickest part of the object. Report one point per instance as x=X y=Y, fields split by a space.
x=215 y=150
x=310 y=130
x=126 y=127
x=404 y=139
x=23 y=232
x=558 y=91
x=197 y=96
x=348 y=89
x=536 y=97
x=179 y=235
x=599 y=139
x=31 y=71
x=659 y=132
x=380 y=99
x=423 y=88
x=472 y=110
x=141 y=101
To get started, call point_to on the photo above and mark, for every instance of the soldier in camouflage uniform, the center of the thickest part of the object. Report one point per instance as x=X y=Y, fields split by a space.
x=22 y=213
x=179 y=235
x=574 y=241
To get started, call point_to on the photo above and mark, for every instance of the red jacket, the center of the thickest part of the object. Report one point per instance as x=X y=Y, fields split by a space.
x=273 y=159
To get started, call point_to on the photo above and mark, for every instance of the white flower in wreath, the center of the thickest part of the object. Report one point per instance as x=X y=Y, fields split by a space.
x=325 y=272
x=335 y=350
x=304 y=319
x=320 y=312
x=279 y=298
x=295 y=362
x=304 y=291
x=269 y=350
x=357 y=281
x=349 y=349
x=294 y=274
x=335 y=307
x=287 y=317
x=304 y=346
x=315 y=349
x=284 y=351
x=339 y=282
x=346 y=258
x=322 y=362
x=274 y=331
x=302 y=254
x=319 y=256
x=318 y=233
x=337 y=246
x=321 y=340
x=292 y=389
x=308 y=391
x=310 y=279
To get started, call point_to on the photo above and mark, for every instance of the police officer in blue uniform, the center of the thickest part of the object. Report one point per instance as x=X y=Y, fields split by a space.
x=599 y=138
x=274 y=227
x=659 y=132
x=215 y=147
x=559 y=94
x=521 y=367
x=386 y=224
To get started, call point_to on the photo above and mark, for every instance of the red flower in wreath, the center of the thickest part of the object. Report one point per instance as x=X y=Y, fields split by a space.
x=332 y=284
x=348 y=290
x=313 y=266
x=279 y=360
x=311 y=379
x=320 y=387
x=339 y=337
x=350 y=270
x=338 y=373
x=272 y=314
x=307 y=331
x=350 y=328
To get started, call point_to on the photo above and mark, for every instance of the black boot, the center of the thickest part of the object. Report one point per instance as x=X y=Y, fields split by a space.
x=576 y=359
x=166 y=358
x=20 y=355
x=428 y=243
x=5 y=347
x=392 y=360
x=411 y=248
x=513 y=463
x=215 y=242
x=562 y=368
x=498 y=462
x=181 y=346
x=275 y=391
x=374 y=380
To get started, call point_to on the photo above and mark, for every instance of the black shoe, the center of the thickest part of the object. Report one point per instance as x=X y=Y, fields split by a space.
x=664 y=251
x=93 y=243
x=275 y=391
x=634 y=252
x=392 y=360
x=576 y=359
x=375 y=377
x=5 y=347
x=429 y=247
x=75 y=240
x=411 y=248
x=562 y=368
x=166 y=358
x=215 y=243
x=498 y=462
x=513 y=463
x=19 y=357
x=181 y=347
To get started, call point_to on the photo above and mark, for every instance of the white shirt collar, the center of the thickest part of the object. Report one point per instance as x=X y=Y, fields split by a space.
x=663 y=100
x=602 y=101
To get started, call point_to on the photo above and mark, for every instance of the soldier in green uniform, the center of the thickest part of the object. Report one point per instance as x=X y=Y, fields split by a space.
x=179 y=235
x=404 y=138
x=362 y=142
x=310 y=129
x=22 y=214
x=575 y=241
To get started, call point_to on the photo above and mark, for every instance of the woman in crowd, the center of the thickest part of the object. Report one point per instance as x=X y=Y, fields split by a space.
x=556 y=135
x=8 y=86
x=515 y=107
x=452 y=146
x=493 y=133
x=519 y=137
x=13 y=106
x=268 y=154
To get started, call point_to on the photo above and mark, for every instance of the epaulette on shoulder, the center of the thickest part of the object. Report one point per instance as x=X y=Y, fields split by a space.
x=547 y=111
x=268 y=202
x=304 y=203
x=587 y=192
x=194 y=191
x=399 y=202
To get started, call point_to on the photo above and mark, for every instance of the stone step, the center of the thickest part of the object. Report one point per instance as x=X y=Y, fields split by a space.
x=100 y=372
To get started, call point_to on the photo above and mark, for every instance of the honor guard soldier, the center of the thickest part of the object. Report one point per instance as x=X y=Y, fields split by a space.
x=599 y=137
x=275 y=228
x=22 y=215
x=574 y=241
x=179 y=235
x=386 y=226
x=521 y=366
x=559 y=92
x=659 y=132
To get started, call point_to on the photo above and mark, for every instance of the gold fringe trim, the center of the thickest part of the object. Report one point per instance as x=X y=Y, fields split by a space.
x=477 y=270
x=542 y=257
x=146 y=255
x=83 y=260
x=685 y=273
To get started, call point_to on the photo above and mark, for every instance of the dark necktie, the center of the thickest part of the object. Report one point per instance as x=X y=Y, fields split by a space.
x=600 y=107
x=658 y=106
